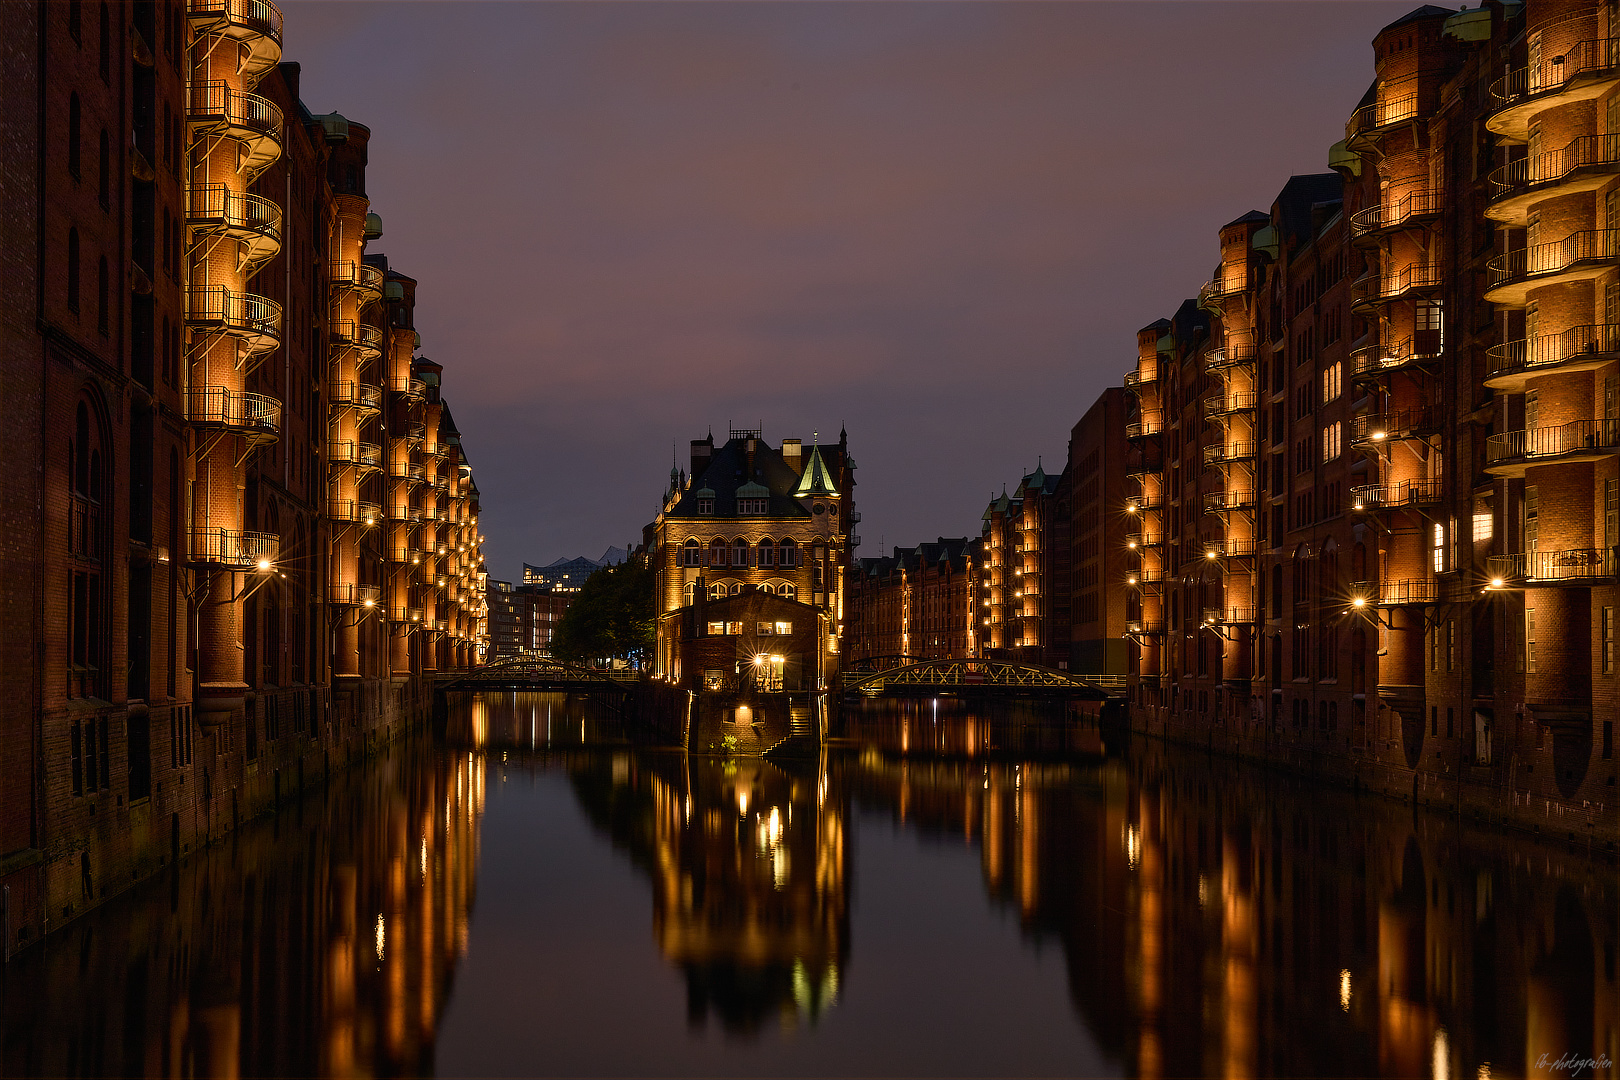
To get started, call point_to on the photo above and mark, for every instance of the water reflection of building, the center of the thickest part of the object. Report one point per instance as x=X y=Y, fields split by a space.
x=1217 y=921
x=748 y=866
x=321 y=943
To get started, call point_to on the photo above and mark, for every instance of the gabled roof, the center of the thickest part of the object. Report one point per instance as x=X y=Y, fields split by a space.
x=1427 y=11
x=727 y=477
x=1253 y=217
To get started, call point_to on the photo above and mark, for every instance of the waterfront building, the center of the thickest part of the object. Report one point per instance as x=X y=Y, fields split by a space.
x=246 y=529
x=915 y=603
x=1024 y=538
x=1396 y=404
x=776 y=520
x=570 y=574
x=523 y=618
x=1099 y=530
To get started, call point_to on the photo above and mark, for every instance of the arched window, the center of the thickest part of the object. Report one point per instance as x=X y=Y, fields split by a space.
x=86 y=470
x=717 y=552
x=736 y=588
x=739 y=552
x=692 y=553
x=717 y=591
x=788 y=591
x=102 y=299
x=689 y=593
x=104 y=164
x=767 y=553
x=787 y=554
x=767 y=588
x=73 y=271
x=75 y=123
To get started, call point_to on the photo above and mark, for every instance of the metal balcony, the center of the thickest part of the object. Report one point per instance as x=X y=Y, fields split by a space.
x=1584 y=71
x=359 y=277
x=1224 y=453
x=1236 y=351
x=1144 y=538
x=1373 y=498
x=1580 y=256
x=1227 y=285
x=1148 y=575
x=1374 y=428
x=406 y=470
x=254 y=25
x=1577 y=565
x=1370 y=122
x=251 y=220
x=1395 y=593
x=1585 y=164
x=347 y=592
x=1580 y=348
x=1374 y=289
x=403 y=553
x=234 y=549
x=1135 y=380
x=1222 y=502
x=1231 y=402
x=361 y=513
x=1144 y=627
x=1413 y=208
x=255 y=320
x=216 y=110
x=346 y=453
x=1511 y=452
x=1149 y=424
x=353 y=395
x=1231 y=547
x=1138 y=503
x=1372 y=362
x=1230 y=616
x=254 y=417
x=412 y=389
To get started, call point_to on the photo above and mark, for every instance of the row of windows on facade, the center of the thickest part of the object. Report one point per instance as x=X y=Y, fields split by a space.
x=760 y=507
x=740 y=553
x=734 y=628
x=722 y=589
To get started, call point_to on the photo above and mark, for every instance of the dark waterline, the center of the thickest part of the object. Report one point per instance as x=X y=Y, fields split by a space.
x=953 y=892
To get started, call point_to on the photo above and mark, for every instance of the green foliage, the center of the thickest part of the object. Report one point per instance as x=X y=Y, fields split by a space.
x=612 y=617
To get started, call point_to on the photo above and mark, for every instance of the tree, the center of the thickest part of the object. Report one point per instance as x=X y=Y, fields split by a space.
x=612 y=617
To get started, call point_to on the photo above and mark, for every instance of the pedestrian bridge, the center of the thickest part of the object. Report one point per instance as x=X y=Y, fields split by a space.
x=538 y=673
x=930 y=677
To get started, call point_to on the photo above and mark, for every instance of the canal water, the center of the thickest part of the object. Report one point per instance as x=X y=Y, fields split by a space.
x=944 y=891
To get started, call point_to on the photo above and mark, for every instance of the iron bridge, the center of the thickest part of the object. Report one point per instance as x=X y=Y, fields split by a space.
x=973 y=676
x=539 y=673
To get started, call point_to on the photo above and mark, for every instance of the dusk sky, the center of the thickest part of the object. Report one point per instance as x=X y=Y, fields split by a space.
x=937 y=224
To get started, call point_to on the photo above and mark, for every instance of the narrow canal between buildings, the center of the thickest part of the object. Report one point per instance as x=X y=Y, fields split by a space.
x=946 y=891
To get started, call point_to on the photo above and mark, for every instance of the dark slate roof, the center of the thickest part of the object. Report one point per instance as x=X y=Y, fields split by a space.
x=725 y=474
x=1300 y=195
x=1157 y=324
x=1427 y=11
x=1189 y=321
x=1252 y=217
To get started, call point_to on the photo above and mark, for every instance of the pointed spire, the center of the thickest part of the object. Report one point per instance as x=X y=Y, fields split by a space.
x=815 y=480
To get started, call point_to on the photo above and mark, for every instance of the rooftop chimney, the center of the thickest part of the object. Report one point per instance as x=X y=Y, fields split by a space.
x=790 y=454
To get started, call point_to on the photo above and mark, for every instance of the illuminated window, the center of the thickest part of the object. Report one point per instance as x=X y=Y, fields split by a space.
x=765 y=629
x=734 y=626
x=717 y=629
x=1439 y=547
x=1530 y=639
x=783 y=628
x=1330 y=440
x=1331 y=376
x=1482 y=525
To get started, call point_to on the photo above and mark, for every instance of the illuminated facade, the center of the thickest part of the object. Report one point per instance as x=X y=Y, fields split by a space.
x=918 y=602
x=776 y=519
x=202 y=596
x=1024 y=538
x=1376 y=462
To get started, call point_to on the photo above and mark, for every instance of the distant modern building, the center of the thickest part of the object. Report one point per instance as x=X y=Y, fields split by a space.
x=570 y=574
x=523 y=618
x=754 y=517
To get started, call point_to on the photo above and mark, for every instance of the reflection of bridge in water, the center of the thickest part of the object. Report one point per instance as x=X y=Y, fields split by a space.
x=538 y=673
x=913 y=676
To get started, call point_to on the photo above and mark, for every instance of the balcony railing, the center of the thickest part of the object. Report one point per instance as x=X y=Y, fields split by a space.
x=348 y=592
x=260 y=16
x=1144 y=627
x=1229 y=616
x=1405 y=493
x=1556 y=72
x=1589 y=151
x=1148 y=575
x=1236 y=351
x=1397 y=593
x=234 y=548
x=256 y=416
x=1551 y=260
x=1139 y=378
x=364 y=513
x=1222 y=452
x=346 y=452
x=1231 y=547
x=403 y=553
x=1378 y=288
x=1223 y=287
x=411 y=388
x=1372 y=361
x=1575 y=437
x=1393 y=426
x=1369 y=119
x=1234 y=401
x=357 y=275
x=1142 y=538
x=1148 y=424
x=1218 y=502
x=406 y=470
x=256 y=319
x=354 y=395
x=1413 y=206
x=1579 y=345
x=251 y=120
x=1137 y=503
x=251 y=219
x=1571 y=565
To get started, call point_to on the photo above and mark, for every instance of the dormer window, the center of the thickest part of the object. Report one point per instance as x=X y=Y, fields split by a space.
x=705 y=506
x=753 y=506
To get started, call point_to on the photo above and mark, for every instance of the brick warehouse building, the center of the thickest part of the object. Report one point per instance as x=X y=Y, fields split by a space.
x=1376 y=460
x=749 y=514
x=247 y=528
x=916 y=602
